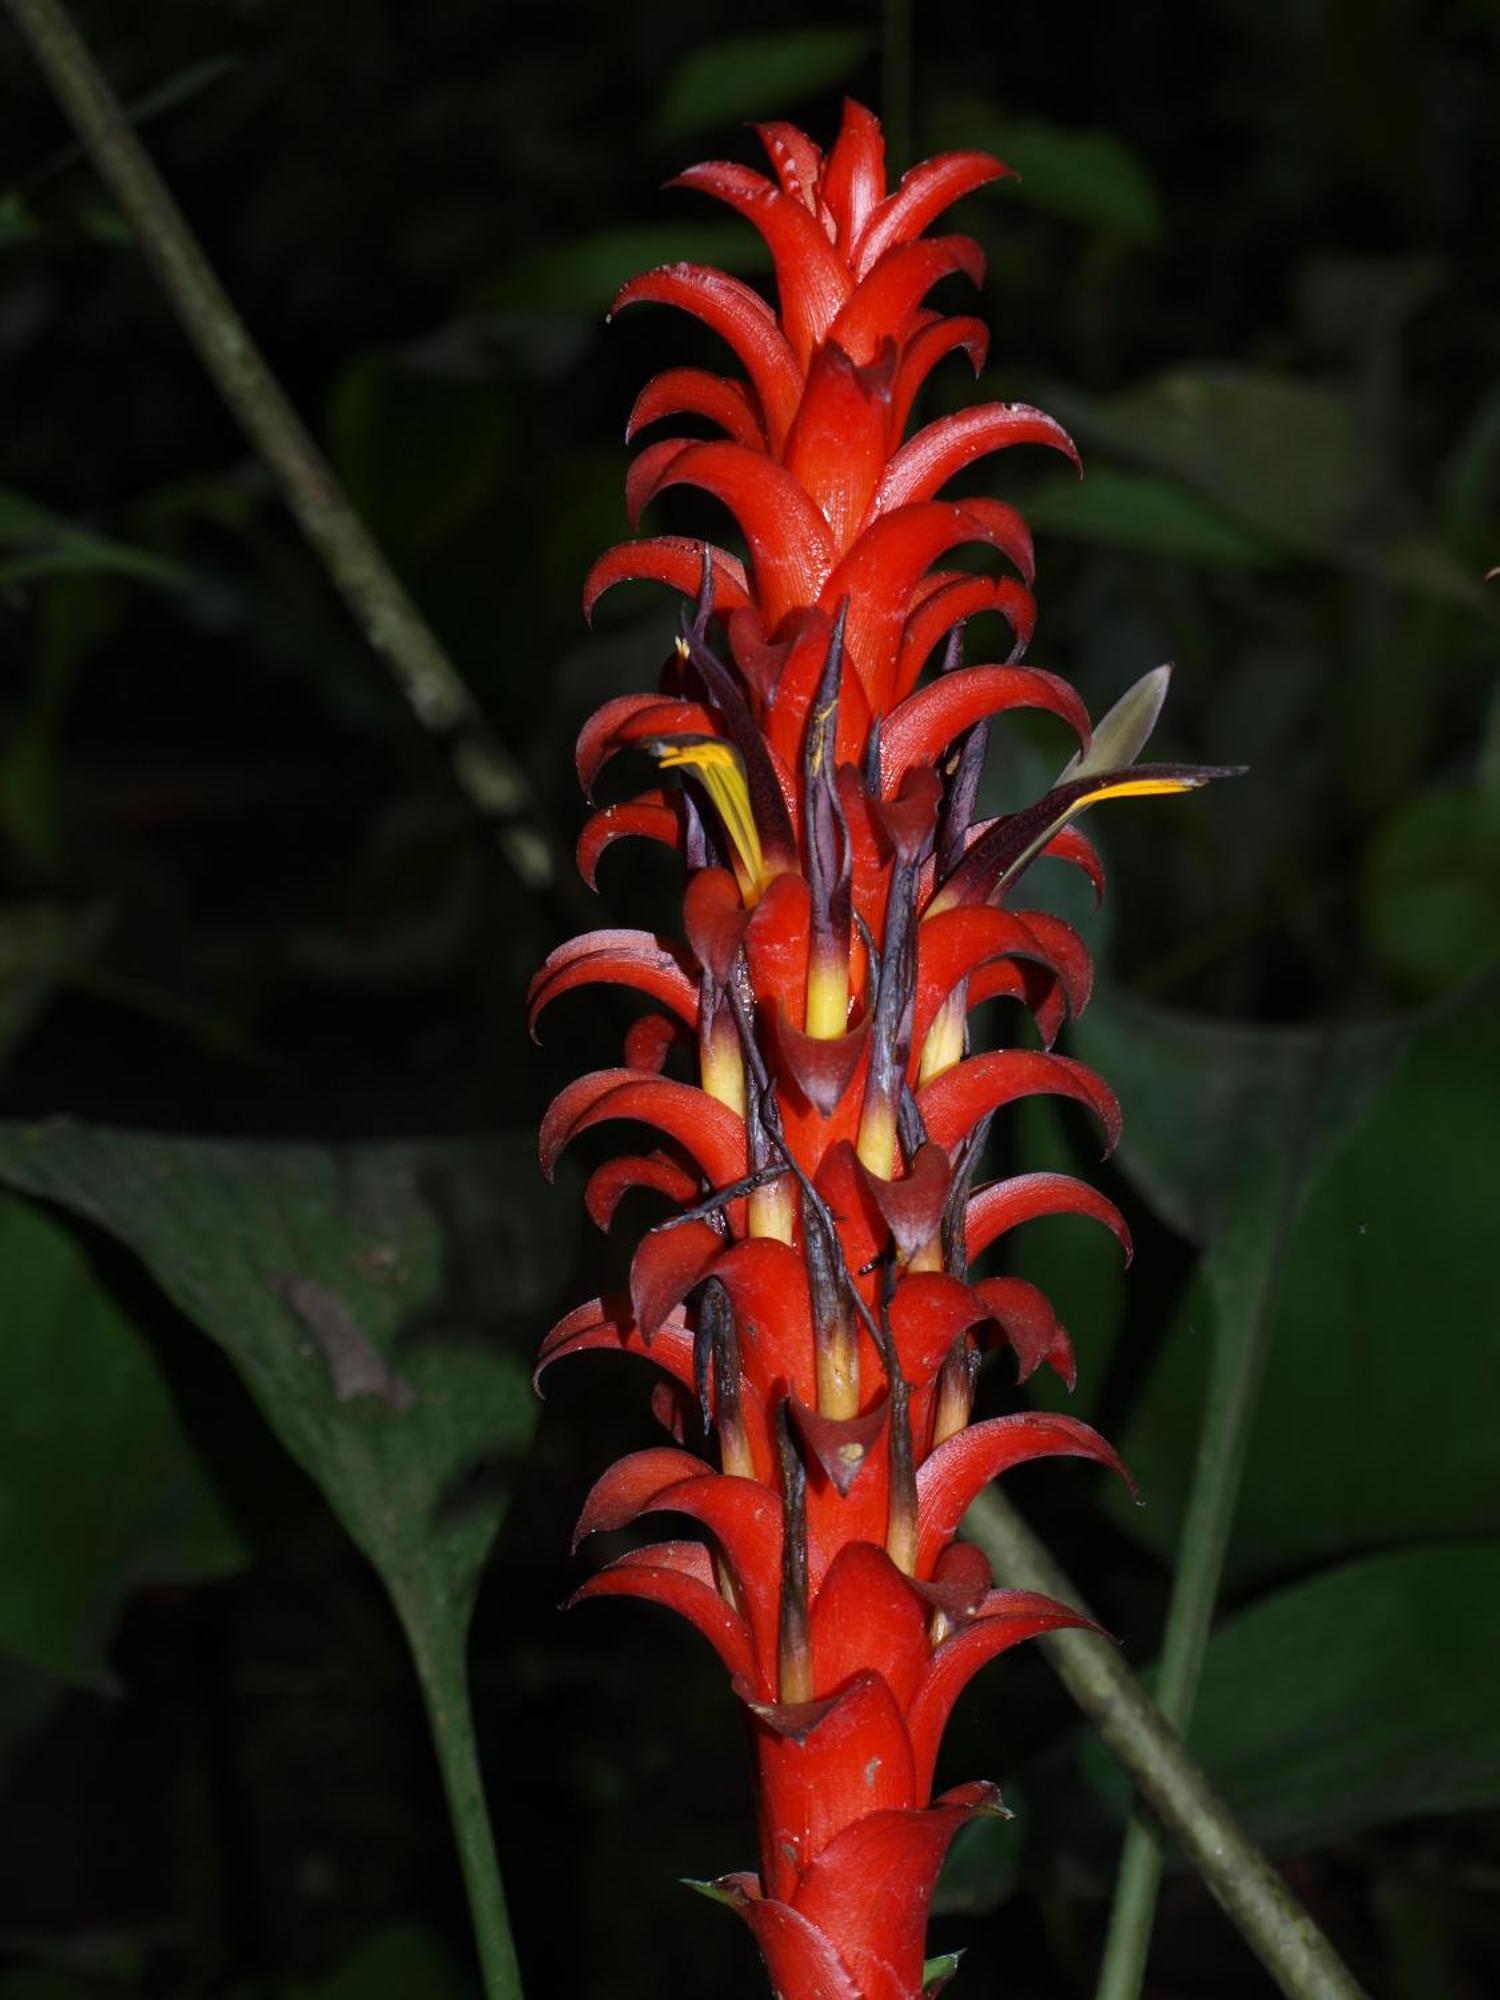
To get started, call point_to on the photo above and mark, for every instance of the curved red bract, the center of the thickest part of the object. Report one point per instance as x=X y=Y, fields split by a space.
x=810 y=1283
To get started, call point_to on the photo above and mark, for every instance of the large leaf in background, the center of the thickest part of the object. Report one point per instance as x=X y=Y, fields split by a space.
x=1066 y=171
x=399 y=1962
x=1363 y=1695
x=755 y=76
x=100 y=1489
x=1292 y=459
x=376 y=1301
x=1430 y=893
x=1210 y=1105
x=1146 y=514
x=1369 y=1431
x=36 y=543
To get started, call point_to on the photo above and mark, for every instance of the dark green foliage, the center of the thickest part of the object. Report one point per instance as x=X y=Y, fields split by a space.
x=1251 y=261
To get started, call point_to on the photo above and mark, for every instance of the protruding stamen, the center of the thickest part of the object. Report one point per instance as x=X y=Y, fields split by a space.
x=835 y=1337
x=795 y=1663
x=720 y=1064
x=955 y=1394
x=720 y=770
x=901 y=1520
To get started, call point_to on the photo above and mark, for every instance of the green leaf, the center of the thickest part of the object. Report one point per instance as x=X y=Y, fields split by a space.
x=755 y=76
x=983 y=1868
x=420 y=452
x=1077 y=175
x=585 y=274
x=18 y=223
x=401 y=1961
x=1289 y=460
x=40 y=543
x=1430 y=895
x=378 y=1302
x=1123 y=732
x=1209 y=1104
x=1146 y=514
x=938 y=1971
x=100 y=1487
x=1368 y=1432
x=1361 y=1696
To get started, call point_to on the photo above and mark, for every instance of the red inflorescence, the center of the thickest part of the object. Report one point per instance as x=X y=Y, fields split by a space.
x=843 y=912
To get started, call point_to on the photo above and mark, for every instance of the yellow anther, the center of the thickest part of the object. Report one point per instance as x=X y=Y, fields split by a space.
x=722 y=773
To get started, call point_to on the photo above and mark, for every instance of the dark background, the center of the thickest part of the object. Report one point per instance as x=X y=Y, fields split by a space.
x=1252 y=265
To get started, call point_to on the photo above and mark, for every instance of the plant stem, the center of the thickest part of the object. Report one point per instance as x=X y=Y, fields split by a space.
x=442 y=1669
x=485 y=771
x=1249 y=1890
x=1243 y=1269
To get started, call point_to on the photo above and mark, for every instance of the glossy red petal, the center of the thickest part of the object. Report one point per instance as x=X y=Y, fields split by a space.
x=930 y=459
x=744 y=1518
x=638 y=959
x=953 y=944
x=604 y=1326
x=649 y=816
x=633 y=718
x=668 y=1262
x=928 y=1311
x=738 y=315
x=822 y=1766
x=949 y=1479
x=791 y=549
x=822 y=1067
x=647 y=469
x=883 y=568
x=854 y=178
x=957 y=599
x=711 y=1132
x=921 y=198
x=1006 y=1618
x=715 y=919
x=913 y=1206
x=678 y=392
x=887 y=300
x=619 y=1495
x=919 y=729
x=666 y=1574
x=608 y=1184
x=798 y=163
x=836 y=448
x=767 y=1284
x=1072 y=845
x=1031 y=1328
x=867 y=1615
x=1004 y=1204
x=811 y=279
x=671 y=559
x=776 y=944
x=800 y=1962
x=943 y=335
x=870 y=1890
x=953 y=1103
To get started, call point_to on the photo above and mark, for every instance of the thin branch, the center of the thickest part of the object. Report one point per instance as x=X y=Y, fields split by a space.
x=485 y=771
x=1249 y=1890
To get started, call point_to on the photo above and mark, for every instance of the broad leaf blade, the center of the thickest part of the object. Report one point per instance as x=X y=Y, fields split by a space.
x=100 y=1487
x=1361 y=1696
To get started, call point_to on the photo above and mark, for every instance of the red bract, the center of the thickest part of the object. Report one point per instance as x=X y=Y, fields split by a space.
x=843 y=912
